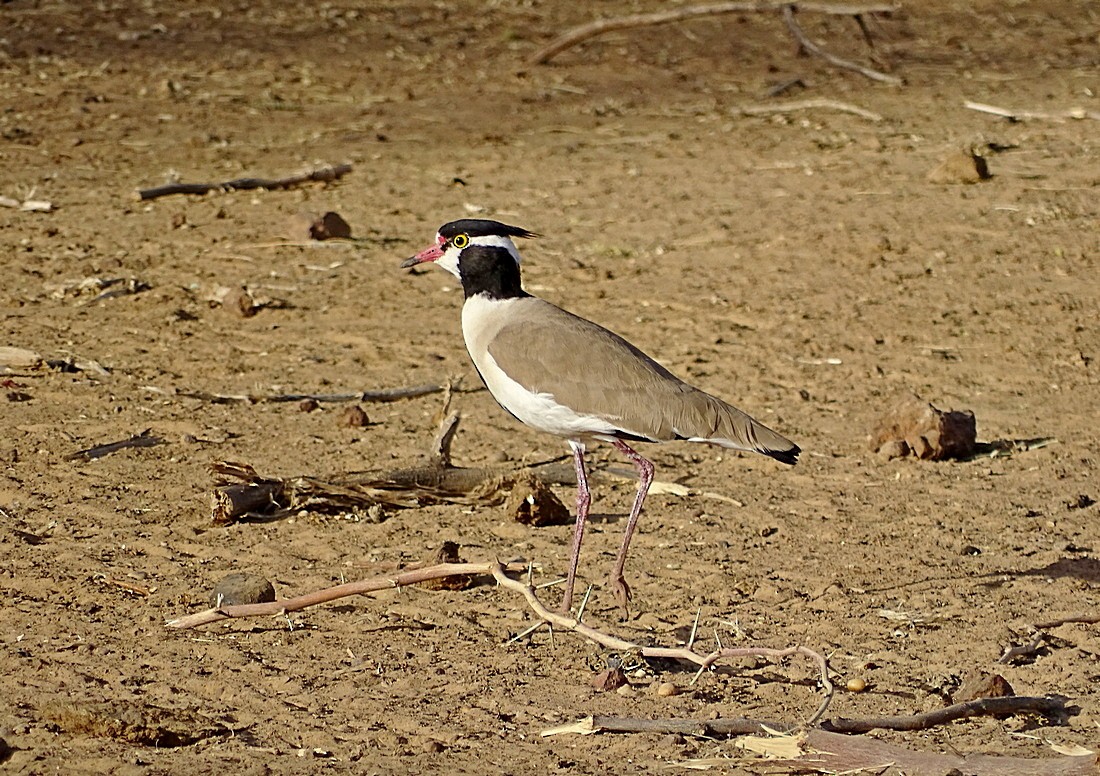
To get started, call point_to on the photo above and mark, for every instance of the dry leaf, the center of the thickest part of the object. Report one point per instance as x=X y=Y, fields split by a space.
x=784 y=747
x=584 y=727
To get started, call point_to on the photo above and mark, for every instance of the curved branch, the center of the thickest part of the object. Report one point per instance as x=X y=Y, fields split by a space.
x=808 y=45
x=582 y=33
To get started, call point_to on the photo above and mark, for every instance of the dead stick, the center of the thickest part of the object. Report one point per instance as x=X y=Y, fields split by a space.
x=144 y=439
x=385 y=395
x=567 y=623
x=808 y=45
x=361 y=587
x=981 y=707
x=788 y=107
x=1038 y=638
x=1087 y=619
x=687 y=727
x=500 y=572
x=576 y=35
x=1072 y=113
x=323 y=174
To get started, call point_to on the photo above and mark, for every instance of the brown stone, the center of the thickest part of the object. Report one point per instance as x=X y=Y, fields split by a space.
x=924 y=431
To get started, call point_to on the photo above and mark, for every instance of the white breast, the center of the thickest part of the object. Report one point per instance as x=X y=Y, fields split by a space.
x=482 y=318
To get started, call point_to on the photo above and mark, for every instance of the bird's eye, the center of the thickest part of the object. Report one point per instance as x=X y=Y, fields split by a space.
x=460 y=241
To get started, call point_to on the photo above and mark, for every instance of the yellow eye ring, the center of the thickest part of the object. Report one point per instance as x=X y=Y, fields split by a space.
x=460 y=241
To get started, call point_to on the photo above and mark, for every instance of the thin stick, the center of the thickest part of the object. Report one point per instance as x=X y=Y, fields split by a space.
x=789 y=107
x=500 y=573
x=385 y=395
x=1023 y=115
x=1087 y=619
x=1039 y=638
x=323 y=174
x=568 y=623
x=981 y=707
x=582 y=33
x=144 y=439
x=361 y=587
x=811 y=47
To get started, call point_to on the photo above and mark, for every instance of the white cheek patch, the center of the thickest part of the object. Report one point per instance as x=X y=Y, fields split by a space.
x=449 y=261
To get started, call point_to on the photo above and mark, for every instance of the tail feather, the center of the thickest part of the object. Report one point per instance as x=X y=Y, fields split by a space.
x=719 y=423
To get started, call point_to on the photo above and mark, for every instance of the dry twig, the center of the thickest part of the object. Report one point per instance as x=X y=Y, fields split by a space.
x=812 y=742
x=592 y=29
x=821 y=751
x=384 y=395
x=1039 y=637
x=790 y=107
x=1024 y=115
x=144 y=439
x=323 y=174
x=809 y=46
x=499 y=572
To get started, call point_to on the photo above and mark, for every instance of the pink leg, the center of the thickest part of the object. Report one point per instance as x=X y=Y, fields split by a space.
x=645 y=479
x=584 y=500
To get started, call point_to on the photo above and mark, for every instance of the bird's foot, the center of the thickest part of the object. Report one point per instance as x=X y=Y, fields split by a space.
x=621 y=591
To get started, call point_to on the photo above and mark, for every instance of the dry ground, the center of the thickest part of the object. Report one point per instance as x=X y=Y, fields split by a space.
x=798 y=264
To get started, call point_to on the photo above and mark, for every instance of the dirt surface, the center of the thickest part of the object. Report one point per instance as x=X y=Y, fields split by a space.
x=798 y=264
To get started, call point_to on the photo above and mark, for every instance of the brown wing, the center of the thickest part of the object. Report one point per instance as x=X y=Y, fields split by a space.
x=596 y=372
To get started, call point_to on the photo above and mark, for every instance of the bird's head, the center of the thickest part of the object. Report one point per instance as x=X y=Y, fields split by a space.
x=455 y=237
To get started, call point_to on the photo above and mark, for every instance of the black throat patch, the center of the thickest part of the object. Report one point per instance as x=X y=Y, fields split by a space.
x=491 y=271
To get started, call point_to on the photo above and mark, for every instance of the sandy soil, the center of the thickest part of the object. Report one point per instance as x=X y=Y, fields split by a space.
x=799 y=264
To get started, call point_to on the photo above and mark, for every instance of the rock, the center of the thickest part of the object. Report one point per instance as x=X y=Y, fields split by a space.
x=982 y=684
x=962 y=166
x=531 y=502
x=915 y=426
x=310 y=226
x=354 y=417
x=242 y=588
x=610 y=680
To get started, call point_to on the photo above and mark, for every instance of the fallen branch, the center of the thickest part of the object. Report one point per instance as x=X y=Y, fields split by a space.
x=1086 y=619
x=144 y=439
x=362 y=587
x=822 y=751
x=979 y=707
x=809 y=46
x=582 y=33
x=384 y=395
x=244 y=494
x=323 y=174
x=1039 y=638
x=1076 y=114
x=790 y=107
x=556 y=620
x=821 y=747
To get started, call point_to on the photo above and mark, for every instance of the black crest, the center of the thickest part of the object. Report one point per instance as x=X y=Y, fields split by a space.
x=482 y=227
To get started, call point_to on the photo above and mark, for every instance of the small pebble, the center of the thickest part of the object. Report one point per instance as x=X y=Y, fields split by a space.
x=667 y=690
x=239 y=588
x=856 y=685
x=354 y=417
x=308 y=405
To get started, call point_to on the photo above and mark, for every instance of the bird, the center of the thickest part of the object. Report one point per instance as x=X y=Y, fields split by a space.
x=562 y=374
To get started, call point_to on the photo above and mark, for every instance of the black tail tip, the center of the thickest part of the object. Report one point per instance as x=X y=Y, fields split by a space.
x=786 y=456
